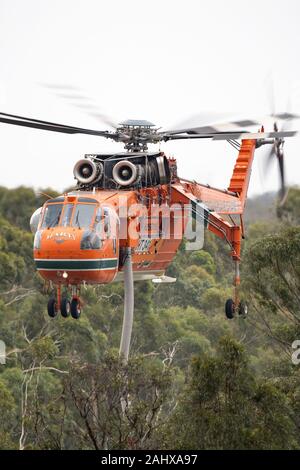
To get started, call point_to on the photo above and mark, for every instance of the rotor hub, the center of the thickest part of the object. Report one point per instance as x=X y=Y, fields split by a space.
x=136 y=134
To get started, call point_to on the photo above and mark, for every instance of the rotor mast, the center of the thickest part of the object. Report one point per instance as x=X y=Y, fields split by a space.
x=136 y=134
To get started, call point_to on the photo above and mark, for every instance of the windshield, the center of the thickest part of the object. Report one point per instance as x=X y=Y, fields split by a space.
x=67 y=215
x=83 y=216
x=52 y=215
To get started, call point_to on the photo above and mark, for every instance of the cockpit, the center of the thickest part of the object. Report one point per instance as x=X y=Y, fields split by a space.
x=81 y=213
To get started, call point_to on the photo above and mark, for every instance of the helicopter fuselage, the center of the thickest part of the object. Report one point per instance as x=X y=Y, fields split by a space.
x=80 y=235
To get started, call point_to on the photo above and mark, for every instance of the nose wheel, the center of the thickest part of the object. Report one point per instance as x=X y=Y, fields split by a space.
x=75 y=308
x=65 y=307
x=63 y=304
x=52 y=307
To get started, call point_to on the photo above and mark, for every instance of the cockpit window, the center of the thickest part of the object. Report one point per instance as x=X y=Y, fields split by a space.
x=83 y=215
x=67 y=215
x=52 y=215
x=97 y=223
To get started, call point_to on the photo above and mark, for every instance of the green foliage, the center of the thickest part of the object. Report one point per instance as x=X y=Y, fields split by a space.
x=15 y=255
x=194 y=381
x=44 y=348
x=273 y=277
x=289 y=212
x=231 y=409
x=204 y=259
x=17 y=205
x=7 y=402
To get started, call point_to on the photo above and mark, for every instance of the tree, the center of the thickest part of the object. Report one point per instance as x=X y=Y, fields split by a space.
x=63 y=386
x=119 y=406
x=230 y=408
x=289 y=212
x=273 y=282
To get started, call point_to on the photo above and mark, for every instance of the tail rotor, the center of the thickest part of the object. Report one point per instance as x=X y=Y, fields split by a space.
x=277 y=152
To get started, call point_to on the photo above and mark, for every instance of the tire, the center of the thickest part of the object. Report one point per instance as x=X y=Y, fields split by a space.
x=243 y=309
x=229 y=309
x=65 y=307
x=75 y=308
x=52 y=307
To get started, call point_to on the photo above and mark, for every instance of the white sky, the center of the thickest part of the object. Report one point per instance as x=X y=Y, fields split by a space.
x=158 y=60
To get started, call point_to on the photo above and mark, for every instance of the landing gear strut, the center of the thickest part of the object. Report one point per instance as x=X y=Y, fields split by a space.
x=64 y=304
x=236 y=307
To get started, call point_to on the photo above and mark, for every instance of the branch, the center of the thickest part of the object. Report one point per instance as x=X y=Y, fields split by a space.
x=20 y=297
x=32 y=369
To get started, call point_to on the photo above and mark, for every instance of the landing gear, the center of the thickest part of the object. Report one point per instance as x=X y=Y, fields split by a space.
x=229 y=308
x=64 y=304
x=232 y=310
x=243 y=309
x=75 y=308
x=65 y=307
x=236 y=307
x=52 y=307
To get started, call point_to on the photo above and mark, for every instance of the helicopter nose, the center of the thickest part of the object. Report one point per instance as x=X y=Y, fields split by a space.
x=72 y=256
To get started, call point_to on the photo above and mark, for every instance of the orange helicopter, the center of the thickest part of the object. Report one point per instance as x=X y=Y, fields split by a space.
x=130 y=211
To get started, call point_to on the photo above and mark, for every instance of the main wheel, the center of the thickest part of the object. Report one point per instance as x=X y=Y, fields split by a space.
x=229 y=309
x=52 y=307
x=75 y=308
x=243 y=309
x=65 y=307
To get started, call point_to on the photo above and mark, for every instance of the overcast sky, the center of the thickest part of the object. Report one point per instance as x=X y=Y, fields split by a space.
x=161 y=60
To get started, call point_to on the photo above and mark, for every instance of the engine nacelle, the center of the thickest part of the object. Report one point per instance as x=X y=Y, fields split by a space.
x=122 y=171
x=87 y=172
x=125 y=173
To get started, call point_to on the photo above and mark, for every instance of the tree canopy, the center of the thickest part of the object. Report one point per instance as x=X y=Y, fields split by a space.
x=195 y=380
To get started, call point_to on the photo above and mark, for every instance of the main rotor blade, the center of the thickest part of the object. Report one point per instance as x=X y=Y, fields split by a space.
x=214 y=128
x=230 y=126
x=255 y=135
x=73 y=96
x=50 y=126
x=93 y=111
x=232 y=135
x=60 y=87
x=39 y=121
x=285 y=116
x=76 y=97
x=203 y=118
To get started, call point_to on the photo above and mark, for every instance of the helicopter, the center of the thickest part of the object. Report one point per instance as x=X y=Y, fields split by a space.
x=104 y=230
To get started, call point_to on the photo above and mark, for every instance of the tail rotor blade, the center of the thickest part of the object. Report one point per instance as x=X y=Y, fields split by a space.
x=282 y=190
x=281 y=166
x=269 y=158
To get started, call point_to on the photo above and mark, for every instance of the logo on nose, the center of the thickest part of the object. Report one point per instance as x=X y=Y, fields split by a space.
x=60 y=237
